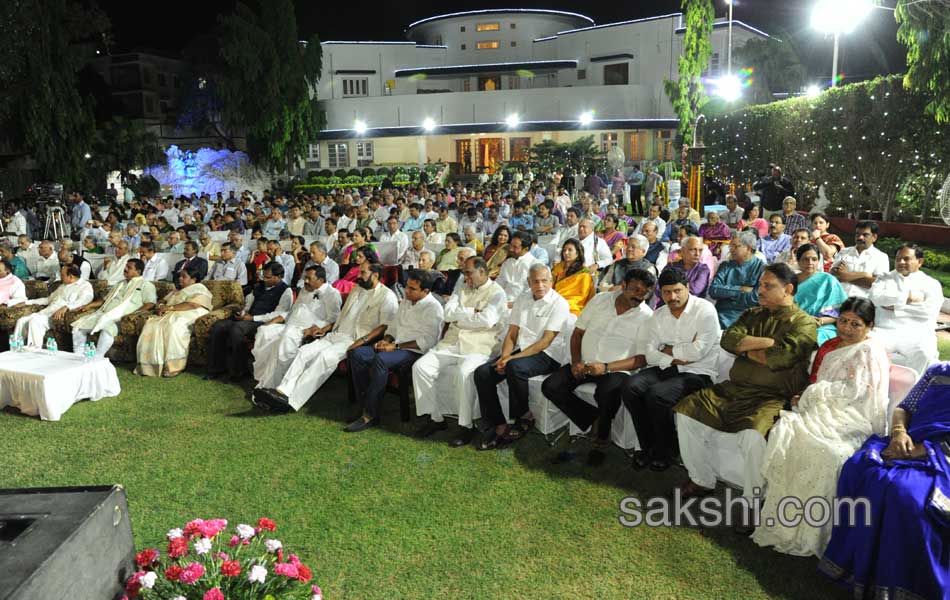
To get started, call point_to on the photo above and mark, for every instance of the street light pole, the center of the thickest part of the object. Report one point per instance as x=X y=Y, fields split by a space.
x=729 y=49
x=834 y=62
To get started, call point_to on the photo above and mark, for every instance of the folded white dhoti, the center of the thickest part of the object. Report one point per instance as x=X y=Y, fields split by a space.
x=312 y=366
x=34 y=327
x=275 y=347
x=447 y=363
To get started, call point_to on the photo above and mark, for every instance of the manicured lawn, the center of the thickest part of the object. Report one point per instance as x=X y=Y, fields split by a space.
x=382 y=515
x=943 y=277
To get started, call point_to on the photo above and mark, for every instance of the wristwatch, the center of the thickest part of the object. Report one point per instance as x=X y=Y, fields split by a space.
x=365 y=340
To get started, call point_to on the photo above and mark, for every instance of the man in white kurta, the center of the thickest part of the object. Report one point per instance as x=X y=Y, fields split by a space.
x=135 y=293
x=156 y=268
x=513 y=277
x=114 y=269
x=858 y=266
x=363 y=319
x=46 y=264
x=476 y=316
x=908 y=302
x=314 y=312
x=392 y=234
x=70 y=295
x=596 y=251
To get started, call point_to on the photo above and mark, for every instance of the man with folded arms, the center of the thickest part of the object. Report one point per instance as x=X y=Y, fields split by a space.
x=476 y=316
x=313 y=313
x=513 y=277
x=681 y=345
x=368 y=309
x=734 y=286
x=532 y=347
x=772 y=342
x=114 y=269
x=134 y=294
x=70 y=295
x=415 y=329
x=858 y=266
x=605 y=348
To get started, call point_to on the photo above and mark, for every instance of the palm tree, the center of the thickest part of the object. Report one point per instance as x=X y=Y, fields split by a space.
x=123 y=145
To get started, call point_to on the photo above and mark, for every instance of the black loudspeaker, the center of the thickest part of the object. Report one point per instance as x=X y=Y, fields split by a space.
x=58 y=543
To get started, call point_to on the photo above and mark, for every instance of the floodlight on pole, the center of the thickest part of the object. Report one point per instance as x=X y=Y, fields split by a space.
x=729 y=88
x=729 y=46
x=838 y=17
x=586 y=118
x=428 y=124
x=812 y=91
x=512 y=120
x=359 y=127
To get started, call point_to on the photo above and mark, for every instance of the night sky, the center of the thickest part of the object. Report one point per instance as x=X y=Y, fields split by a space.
x=170 y=24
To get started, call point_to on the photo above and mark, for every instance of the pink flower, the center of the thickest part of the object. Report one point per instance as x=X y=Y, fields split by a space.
x=214 y=594
x=294 y=559
x=317 y=594
x=286 y=569
x=133 y=586
x=234 y=541
x=192 y=573
x=191 y=529
x=211 y=528
x=222 y=556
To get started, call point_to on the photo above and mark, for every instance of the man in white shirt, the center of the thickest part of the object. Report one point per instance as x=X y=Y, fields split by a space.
x=12 y=289
x=241 y=253
x=571 y=222
x=229 y=268
x=654 y=217
x=513 y=277
x=277 y=254
x=319 y=256
x=532 y=347
x=393 y=234
x=596 y=250
x=415 y=329
x=156 y=268
x=432 y=236
x=476 y=316
x=70 y=295
x=368 y=310
x=681 y=347
x=28 y=251
x=908 y=302
x=313 y=313
x=227 y=340
x=858 y=266
x=114 y=269
x=47 y=263
x=605 y=347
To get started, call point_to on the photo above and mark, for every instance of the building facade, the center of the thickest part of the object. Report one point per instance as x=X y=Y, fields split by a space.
x=479 y=88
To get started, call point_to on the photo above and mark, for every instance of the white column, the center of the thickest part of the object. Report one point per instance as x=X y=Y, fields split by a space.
x=422 y=150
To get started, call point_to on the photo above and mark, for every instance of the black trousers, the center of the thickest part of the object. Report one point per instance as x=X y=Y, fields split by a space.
x=227 y=347
x=517 y=374
x=650 y=396
x=559 y=389
x=635 y=202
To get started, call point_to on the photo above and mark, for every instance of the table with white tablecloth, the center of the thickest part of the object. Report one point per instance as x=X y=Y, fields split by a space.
x=45 y=384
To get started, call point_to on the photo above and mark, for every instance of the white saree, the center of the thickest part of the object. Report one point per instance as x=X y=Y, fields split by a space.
x=163 y=345
x=808 y=445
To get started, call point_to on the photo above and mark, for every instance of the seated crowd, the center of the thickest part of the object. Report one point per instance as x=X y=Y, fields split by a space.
x=472 y=293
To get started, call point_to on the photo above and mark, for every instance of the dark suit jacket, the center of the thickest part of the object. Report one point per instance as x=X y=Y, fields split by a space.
x=198 y=262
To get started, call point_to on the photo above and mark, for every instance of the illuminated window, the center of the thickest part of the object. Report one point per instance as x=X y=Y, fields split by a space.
x=487 y=45
x=338 y=155
x=487 y=27
x=313 y=155
x=364 y=154
x=607 y=141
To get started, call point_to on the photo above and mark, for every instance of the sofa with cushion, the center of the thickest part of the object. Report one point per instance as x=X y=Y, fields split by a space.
x=42 y=289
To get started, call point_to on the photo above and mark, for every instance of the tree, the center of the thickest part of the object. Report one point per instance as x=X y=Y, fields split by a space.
x=123 y=145
x=776 y=67
x=44 y=45
x=687 y=94
x=579 y=156
x=268 y=81
x=925 y=30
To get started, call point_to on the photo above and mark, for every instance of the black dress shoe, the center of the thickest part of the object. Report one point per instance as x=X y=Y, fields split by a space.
x=563 y=457
x=464 y=438
x=360 y=425
x=257 y=400
x=641 y=460
x=275 y=401
x=430 y=428
x=658 y=465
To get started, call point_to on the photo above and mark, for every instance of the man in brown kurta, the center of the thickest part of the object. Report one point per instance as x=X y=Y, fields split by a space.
x=773 y=343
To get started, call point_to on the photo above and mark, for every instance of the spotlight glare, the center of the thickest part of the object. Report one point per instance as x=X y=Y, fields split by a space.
x=812 y=91
x=729 y=88
x=586 y=118
x=359 y=127
x=512 y=120
x=428 y=124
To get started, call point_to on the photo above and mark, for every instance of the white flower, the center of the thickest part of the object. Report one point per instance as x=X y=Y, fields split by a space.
x=245 y=532
x=202 y=545
x=316 y=597
x=174 y=533
x=148 y=580
x=273 y=546
x=257 y=574
x=179 y=598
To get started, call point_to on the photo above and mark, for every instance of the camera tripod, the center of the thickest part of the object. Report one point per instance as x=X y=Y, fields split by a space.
x=54 y=223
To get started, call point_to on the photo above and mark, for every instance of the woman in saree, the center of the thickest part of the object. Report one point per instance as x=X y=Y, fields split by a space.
x=360 y=238
x=715 y=232
x=571 y=278
x=819 y=293
x=345 y=283
x=828 y=243
x=162 y=349
x=901 y=549
x=497 y=251
x=752 y=219
x=845 y=403
x=616 y=240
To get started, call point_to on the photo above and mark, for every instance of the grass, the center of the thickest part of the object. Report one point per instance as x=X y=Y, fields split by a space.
x=382 y=515
x=942 y=276
x=943 y=346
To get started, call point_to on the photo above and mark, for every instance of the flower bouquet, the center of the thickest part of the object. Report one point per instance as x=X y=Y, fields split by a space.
x=202 y=564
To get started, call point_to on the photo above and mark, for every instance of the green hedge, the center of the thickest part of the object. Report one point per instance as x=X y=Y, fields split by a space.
x=936 y=259
x=862 y=141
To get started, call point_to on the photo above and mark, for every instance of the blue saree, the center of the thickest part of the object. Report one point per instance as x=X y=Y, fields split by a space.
x=820 y=296
x=905 y=553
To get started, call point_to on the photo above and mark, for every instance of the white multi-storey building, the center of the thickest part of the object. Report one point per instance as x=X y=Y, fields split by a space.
x=480 y=87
